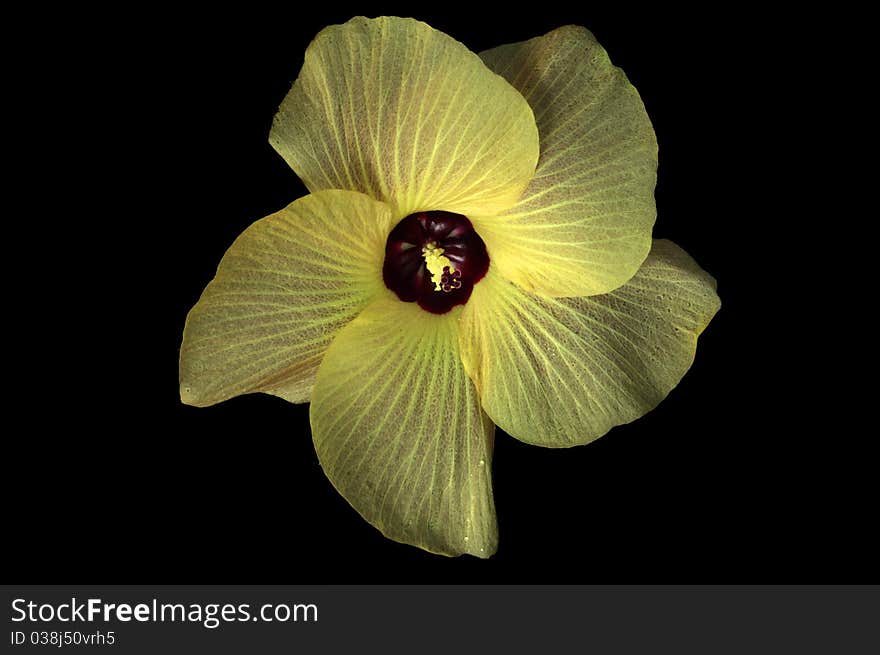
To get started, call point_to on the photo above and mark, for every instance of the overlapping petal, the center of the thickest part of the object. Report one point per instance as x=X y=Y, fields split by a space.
x=563 y=371
x=583 y=225
x=406 y=114
x=399 y=431
x=282 y=290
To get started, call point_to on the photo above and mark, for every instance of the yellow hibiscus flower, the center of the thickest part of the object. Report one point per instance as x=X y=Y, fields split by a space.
x=475 y=251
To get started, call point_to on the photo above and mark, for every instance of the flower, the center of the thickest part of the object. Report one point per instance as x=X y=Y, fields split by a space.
x=447 y=275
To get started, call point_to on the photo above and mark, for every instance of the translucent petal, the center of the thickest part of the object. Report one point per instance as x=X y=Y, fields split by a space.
x=404 y=113
x=563 y=371
x=282 y=290
x=583 y=226
x=399 y=431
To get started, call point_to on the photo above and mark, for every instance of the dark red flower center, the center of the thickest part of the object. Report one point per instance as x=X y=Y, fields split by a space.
x=434 y=258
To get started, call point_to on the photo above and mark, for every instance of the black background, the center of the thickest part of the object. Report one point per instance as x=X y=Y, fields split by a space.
x=739 y=476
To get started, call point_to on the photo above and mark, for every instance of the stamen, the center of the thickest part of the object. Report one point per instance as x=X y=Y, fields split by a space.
x=441 y=269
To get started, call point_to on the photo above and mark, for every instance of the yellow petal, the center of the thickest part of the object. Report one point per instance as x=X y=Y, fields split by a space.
x=404 y=113
x=563 y=371
x=282 y=290
x=583 y=226
x=399 y=431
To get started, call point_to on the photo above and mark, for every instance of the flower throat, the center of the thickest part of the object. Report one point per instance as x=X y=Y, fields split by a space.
x=434 y=258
